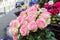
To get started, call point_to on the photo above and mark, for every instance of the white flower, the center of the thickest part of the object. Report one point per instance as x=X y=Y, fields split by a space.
x=51 y=2
x=59 y=14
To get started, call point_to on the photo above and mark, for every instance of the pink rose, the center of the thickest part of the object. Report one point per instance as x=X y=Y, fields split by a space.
x=32 y=26
x=32 y=10
x=10 y=31
x=25 y=23
x=21 y=19
x=45 y=15
x=15 y=37
x=41 y=23
x=14 y=23
x=36 y=5
x=13 y=31
x=30 y=18
x=23 y=14
x=24 y=30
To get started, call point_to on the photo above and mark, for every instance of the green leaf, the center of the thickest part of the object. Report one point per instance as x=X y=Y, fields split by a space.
x=52 y=38
x=44 y=34
x=20 y=38
x=55 y=0
x=31 y=37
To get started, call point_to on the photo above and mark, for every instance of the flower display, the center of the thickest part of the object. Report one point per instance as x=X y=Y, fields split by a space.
x=41 y=23
x=54 y=11
x=57 y=4
x=33 y=9
x=14 y=23
x=24 y=30
x=13 y=31
x=32 y=26
x=53 y=8
x=15 y=37
x=30 y=18
x=45 y=15
x=46 y=5
x=31 y=21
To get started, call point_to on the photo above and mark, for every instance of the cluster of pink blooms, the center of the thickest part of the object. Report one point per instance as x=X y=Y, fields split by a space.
x=53 y=8
x=27 y=22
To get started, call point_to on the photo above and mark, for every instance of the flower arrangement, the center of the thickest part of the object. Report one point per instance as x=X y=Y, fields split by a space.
x=54 y=9
x=31 y=25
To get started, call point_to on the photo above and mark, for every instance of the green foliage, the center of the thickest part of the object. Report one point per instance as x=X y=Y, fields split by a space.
x=44 y=34
x=55 y=0
x=41 y=2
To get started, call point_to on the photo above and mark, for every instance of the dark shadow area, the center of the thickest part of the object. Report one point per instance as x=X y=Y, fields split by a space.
x=56 y=29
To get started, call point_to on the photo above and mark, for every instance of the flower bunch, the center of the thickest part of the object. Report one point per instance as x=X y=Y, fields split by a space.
x=31 y=19
x=53 y=8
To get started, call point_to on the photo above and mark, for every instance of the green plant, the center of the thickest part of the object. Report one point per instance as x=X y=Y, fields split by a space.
x=45 y=34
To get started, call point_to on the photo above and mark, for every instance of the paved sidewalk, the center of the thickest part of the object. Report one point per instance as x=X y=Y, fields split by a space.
x=5 y=20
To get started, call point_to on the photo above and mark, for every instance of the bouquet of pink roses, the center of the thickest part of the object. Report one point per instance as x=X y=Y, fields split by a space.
x=31 y=25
